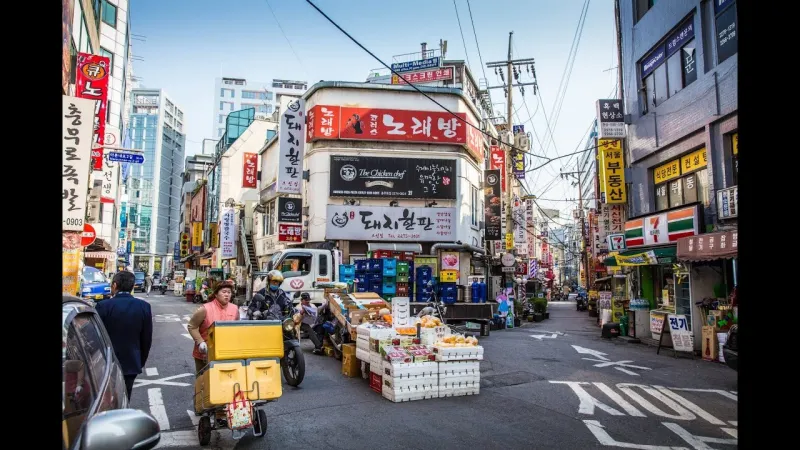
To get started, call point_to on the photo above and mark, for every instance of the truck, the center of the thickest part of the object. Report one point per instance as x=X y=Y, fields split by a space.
x=304 y=269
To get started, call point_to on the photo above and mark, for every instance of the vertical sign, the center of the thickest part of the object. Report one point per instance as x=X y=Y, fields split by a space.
x=213 y=230
x=612 y=171
x=518 y=164
x=611 y=119
x=250 y=161
x=497 y=161
x=292 y=139
x=492 y=203
x=520 y=226
x=228 y=233
x=77 y=116
x=197 y=236
x=176 y=251
x=531 y=230
x=91 y=83
x=184 y=245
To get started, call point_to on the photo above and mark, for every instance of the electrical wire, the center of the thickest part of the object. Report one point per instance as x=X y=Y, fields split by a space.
x=461 y=30
x=475 y=33
x=286 y=37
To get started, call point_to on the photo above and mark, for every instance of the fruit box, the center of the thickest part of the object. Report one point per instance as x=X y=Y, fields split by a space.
x=429 y=336
x=458 y=353
x=414 y=370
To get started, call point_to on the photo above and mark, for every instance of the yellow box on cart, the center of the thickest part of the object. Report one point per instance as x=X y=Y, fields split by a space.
x=217 y=383
x=245 y=339
x=263 y=378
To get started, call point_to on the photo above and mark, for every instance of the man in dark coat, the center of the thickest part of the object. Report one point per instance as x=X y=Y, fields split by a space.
x=129 y=322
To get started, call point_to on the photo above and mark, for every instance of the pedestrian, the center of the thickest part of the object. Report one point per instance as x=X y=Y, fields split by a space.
x=148 y=283
x=218 y=308
x=129 y=323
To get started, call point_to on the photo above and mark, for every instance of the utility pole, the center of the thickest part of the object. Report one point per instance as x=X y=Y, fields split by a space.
x=585 y=251
x=508 y=87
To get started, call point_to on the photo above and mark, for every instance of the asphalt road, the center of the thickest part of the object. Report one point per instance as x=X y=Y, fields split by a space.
x=535 y=393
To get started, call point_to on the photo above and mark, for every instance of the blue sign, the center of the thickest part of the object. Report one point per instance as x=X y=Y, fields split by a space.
x=719 y=5
x=420 y=64
x=653 y=60
x=126 y=157
x=123 y=216
x=518 y=129
x=177 y=251
x=682 y=35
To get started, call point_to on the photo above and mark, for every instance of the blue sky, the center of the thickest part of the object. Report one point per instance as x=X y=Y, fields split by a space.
x=190 y=42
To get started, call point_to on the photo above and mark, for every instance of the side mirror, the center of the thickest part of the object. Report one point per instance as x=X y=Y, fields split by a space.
x=121 y=428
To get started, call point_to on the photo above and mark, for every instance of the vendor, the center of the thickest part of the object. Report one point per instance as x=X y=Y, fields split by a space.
x=218 y=308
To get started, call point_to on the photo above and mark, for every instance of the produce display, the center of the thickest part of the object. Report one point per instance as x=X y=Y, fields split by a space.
x=457 y=340
x=429 y=322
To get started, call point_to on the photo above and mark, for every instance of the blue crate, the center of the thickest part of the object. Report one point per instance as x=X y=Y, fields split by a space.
x=424 y=271
x=448 y=300
x=422 y=298
x=448 y=289
x=362 y=265
x=347 y=269
x=389 y=263
x=389 y=271
x=360 y=288
x=389 y=288
x=347 y=278
x=361 y=279
x=375 y=277
x=376 y=265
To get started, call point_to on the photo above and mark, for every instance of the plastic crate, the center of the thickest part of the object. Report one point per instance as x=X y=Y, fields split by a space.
x=244 y=339
x=362 y=265
x=402 y=278
x=376 y=382
x=448 y=289
x=389 y=287
x=347 y=269
x=402 y=267
x=376 y=265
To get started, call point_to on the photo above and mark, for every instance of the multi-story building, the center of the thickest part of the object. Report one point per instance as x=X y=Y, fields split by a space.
x=154 y=188
x=194 y=171
x=234 y=94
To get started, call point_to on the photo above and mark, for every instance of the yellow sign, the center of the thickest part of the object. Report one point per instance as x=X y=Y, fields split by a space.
x=735 y=143
x=197 y=236
x=612 y=165
x=214 y=230
x=647 y=258
x=694 y=161
x=70 y=271
x=509 y=241
x=666 y=172
x=133 y=246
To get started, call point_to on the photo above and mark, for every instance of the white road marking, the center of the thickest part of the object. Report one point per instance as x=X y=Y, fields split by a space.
x=697 y=442
x=157 y=409
x=691 y=406
x=186 y=327
x=732 y=431
x=682 y=413
x=605 y=439
x=629 y=372
x=194 y=418
x=560 y=333
x=151 y=372
x=164 y=381
x=734 y=422
x=726 y=394
x=543 y=336
x=588 y=351
x=587 y=402
x=630 y=409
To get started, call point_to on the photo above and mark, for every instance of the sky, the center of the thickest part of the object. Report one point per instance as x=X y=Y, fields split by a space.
x=181 y=46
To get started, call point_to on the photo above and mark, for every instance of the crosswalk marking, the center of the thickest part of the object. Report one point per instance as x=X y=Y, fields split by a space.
x=151 y=372
x=157 y=409
x=164 y=381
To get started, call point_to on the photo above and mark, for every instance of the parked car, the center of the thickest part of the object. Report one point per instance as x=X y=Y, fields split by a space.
x=138 y=282
x=94 y=284
x=95 y=413
x=730 y=351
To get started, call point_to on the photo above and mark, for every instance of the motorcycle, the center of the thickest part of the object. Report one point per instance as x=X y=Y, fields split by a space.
x=328 y=325
x=581 y=303
x=293 y=364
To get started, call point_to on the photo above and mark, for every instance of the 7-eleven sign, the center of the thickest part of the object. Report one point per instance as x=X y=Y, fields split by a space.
x=616 y=242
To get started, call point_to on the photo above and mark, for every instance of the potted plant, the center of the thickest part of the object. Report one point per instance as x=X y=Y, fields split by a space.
x=539 y=309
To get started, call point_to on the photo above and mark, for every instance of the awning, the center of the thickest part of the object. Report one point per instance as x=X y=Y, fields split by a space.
x=100 y=255
x=643 y=257
x=99 y=245
x=394 y=247
x=709 y=247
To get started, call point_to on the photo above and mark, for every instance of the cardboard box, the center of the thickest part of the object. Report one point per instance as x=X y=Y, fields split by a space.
x=349 y=349
x=351 y=366
x=710 y=347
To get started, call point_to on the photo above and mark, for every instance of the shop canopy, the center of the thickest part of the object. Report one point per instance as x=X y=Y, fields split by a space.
x=643 y=257
x=709 y=247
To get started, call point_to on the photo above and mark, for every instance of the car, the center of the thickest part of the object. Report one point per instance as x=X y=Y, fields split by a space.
x=95 y=413
x=730 y=350
x=138 y=281
x=94 y=284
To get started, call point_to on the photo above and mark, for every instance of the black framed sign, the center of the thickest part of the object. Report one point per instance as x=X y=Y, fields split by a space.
x=290 y=210
x=369 y=176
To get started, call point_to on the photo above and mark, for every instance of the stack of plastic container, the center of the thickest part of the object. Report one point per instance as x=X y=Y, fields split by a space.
x=347 y=273
x=424 y=274
x=389 y=282
x=362 y=275
x=403 y=268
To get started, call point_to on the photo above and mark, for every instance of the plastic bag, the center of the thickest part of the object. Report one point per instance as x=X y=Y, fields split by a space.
x=239 y=412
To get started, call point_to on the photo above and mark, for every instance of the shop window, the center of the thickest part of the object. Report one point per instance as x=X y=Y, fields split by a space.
x=269 y=219
x=669 y=67
x=296 y=265
x=682 y=181
x=727 y=38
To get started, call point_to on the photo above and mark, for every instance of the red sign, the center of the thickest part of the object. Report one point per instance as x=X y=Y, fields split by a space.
x=425 y=76
x=249 y=170
x=290 y=233
x=88 y=236
x=497 y=161
x=91 y=82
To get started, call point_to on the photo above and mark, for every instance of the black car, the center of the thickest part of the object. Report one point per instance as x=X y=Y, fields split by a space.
x=730 y=351
x=95 y=412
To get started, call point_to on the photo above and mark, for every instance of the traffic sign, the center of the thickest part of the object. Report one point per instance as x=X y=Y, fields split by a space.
x=88 y=236
x=126 y=157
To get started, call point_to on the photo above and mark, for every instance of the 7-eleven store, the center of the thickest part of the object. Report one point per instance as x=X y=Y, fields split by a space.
x=653 y=269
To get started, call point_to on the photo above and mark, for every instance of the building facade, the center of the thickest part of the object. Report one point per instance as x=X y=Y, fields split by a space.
x=154 y=187
x=234 y=94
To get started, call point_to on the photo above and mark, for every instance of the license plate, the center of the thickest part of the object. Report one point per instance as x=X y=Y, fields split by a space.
x=473 y=326
x=98 y=297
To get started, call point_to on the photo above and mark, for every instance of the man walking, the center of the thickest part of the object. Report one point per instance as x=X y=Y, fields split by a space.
x=129 y=323
x=148 y=283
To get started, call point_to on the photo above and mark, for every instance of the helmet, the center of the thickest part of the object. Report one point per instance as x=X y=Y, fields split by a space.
x=305 y=296
x=274 y=275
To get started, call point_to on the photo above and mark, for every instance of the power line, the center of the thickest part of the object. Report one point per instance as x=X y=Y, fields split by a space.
x=463 y=41
x=287 y=38
x=475 y=33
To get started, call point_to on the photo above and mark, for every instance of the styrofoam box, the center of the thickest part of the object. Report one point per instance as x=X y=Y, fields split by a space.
x=363 y=355
x=409 y=393
x=429 y=336
x=422 y=383
x=416 y=370
x=449 y=382
x=375 y=363
x=459 y=368
x=458 y=353
x=362 y=342
x=400 y=312
x=459 y=391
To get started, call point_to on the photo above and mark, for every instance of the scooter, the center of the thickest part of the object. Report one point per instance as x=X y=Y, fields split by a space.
x=582 y=304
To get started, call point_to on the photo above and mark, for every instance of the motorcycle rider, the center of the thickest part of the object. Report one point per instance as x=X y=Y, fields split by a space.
x=274 y=294
x=308 y=325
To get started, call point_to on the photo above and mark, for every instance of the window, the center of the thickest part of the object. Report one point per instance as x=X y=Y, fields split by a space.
x=110 y=56
x=474 y=205
x=223 y=105
x=223 y=91
x=296 y=265
x=642 y=6
x=323 y=264
x=726 y=36
x=682 y=181
x=254 y=95
x=270 y=219
x=270 y=134
x=222 y=118
x=669 y=67
x=109 y=14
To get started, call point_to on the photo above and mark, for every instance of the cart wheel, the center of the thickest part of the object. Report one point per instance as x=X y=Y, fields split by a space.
x=260 y=422
x=204 y=430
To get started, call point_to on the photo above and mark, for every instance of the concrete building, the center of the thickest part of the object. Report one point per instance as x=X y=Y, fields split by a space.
x=154 y=188
x=234 y=94
x=194 y=171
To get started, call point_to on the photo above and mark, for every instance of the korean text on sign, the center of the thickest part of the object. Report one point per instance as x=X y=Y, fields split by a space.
x=249 y=163
x=386 y=223
x=76 y=145
x=91 y=83
x=291 y=148
x=613 y=170
x=228 y=233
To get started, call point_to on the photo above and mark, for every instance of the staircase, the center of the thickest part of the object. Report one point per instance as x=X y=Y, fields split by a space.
x=248 y=246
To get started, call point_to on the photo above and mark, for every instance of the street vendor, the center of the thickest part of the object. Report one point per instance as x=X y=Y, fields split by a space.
x=218 y=308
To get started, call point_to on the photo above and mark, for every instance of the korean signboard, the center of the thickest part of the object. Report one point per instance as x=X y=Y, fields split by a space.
x=682 y=337
x=616 y=242
x=213 y=230
x=709 y=246
x=198 y=205
x=176 y=251
x=726 y=29
x=290 y=232
x=197 y=236
x=420 y=64
x=228 y=233
x=110 y=180
x=492 y=205
x=520 y=225
x=91 y=82
x=425 y=76
x=663 y=228
x=291 y=146
x=387 y=223
x=531 y=229
x=612 y=171
x=367 y=176
x=728 y=203
x=290 y=210
x=611 y=119
x=77 y=116
x=518 y=164
x=497 y=161
x=249 y=170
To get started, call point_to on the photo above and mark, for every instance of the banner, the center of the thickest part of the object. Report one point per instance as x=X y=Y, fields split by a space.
x=518 y=164
x=213 y=230
x=110 y=180
x=647 y=258
x=76 y=147
x=388 y=223
x=612 y=171
x=367 y=176
x=290 y=210
x=70 y=271
x=197 y=236
x=228 y=233
x=291 y=144
x=249 y=170
x=497 y=161
x=520 y=225
x=492 y=205
x=290 y=232
x=425 y=76
x=91 y=83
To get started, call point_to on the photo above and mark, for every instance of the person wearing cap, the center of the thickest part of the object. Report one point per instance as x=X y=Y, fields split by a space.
x=219 y=308
x=309 y=313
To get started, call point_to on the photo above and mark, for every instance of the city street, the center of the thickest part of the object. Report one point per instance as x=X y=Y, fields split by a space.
x=553 y=384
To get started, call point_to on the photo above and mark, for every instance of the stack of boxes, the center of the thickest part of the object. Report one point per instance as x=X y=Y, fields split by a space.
x=459 y=370
x=424 y=274
x=347 y=273
x=385 y=275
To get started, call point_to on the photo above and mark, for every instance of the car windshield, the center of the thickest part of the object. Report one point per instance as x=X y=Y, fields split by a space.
x=139 y=275
x=94 y=276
